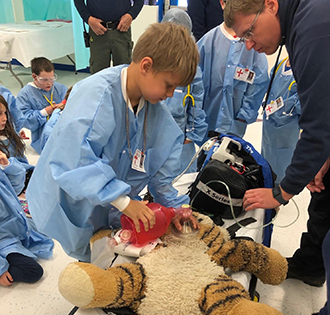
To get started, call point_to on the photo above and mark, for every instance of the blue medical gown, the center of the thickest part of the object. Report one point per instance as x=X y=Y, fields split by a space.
x=190 y=119
x=48 y=127
x=30 y=100
x=18 y=120
x=16 y=232
x=23 y=160
x=227 y=99
x=18 y=117
x=280 y=132
x=85 y=163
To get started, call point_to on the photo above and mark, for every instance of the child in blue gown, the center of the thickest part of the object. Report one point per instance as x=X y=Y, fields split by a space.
x=20 y=244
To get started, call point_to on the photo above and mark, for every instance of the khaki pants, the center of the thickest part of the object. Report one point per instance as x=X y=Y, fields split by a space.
x=112 y=45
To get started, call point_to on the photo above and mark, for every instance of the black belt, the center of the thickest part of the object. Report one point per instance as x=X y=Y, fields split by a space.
x=111 y=25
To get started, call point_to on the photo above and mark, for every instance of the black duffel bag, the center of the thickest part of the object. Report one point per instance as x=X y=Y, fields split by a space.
x=209 y=192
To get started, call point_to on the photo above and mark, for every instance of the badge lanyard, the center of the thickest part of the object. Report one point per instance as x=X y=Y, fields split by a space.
x=144 y=131
x=273 y=75
x=51 y=99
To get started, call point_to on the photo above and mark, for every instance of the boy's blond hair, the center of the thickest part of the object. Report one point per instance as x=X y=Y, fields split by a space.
x=240 y=6
x=171 y=48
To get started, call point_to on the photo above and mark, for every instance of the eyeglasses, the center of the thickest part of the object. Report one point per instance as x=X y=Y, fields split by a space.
x=44 y=80
x=249 y=34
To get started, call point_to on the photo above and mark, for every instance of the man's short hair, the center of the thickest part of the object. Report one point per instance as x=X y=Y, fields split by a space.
x=39 y=64
x=171 y=48
x=245 y=7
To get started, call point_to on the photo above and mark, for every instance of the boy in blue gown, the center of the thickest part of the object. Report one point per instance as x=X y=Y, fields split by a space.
x=114 y=138
x=38 y=99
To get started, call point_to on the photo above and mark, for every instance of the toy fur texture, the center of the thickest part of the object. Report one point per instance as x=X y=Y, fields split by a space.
x=179 y=277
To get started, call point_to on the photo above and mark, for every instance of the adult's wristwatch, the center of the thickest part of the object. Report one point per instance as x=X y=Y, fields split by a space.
x=277 y=194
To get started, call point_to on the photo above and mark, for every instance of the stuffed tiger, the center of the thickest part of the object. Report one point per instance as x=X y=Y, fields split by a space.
x=179 y=277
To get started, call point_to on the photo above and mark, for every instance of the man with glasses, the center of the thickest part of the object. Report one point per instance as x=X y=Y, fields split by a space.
x=303 y=27
x=38 y=99
x=235 y=81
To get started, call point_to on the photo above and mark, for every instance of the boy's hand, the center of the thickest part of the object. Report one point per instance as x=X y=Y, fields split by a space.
x=59 y=105
x=3 y=159
x=6 y=279
x=178 y=219
x=49 y=109
x=138 y=210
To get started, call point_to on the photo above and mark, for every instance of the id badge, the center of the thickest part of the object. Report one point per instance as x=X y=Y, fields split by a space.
x=244 y=74
x=274 y=106
x=138 y=161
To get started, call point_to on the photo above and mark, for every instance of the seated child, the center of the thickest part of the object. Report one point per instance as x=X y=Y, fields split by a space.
x=20 y=244
x=235 y=80
x=18 y=118
x=10 y=143
x=114 y=138
x=40 y=98
x=187 y=109
x=280 y=129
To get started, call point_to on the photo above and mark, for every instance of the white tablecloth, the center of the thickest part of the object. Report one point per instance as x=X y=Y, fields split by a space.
x=35 y=39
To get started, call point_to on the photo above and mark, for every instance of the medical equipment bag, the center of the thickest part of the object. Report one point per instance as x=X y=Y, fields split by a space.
x=231 y=167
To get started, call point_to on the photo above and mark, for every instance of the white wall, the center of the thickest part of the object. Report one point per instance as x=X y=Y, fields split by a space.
x=148 y=15
x=182 y=3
